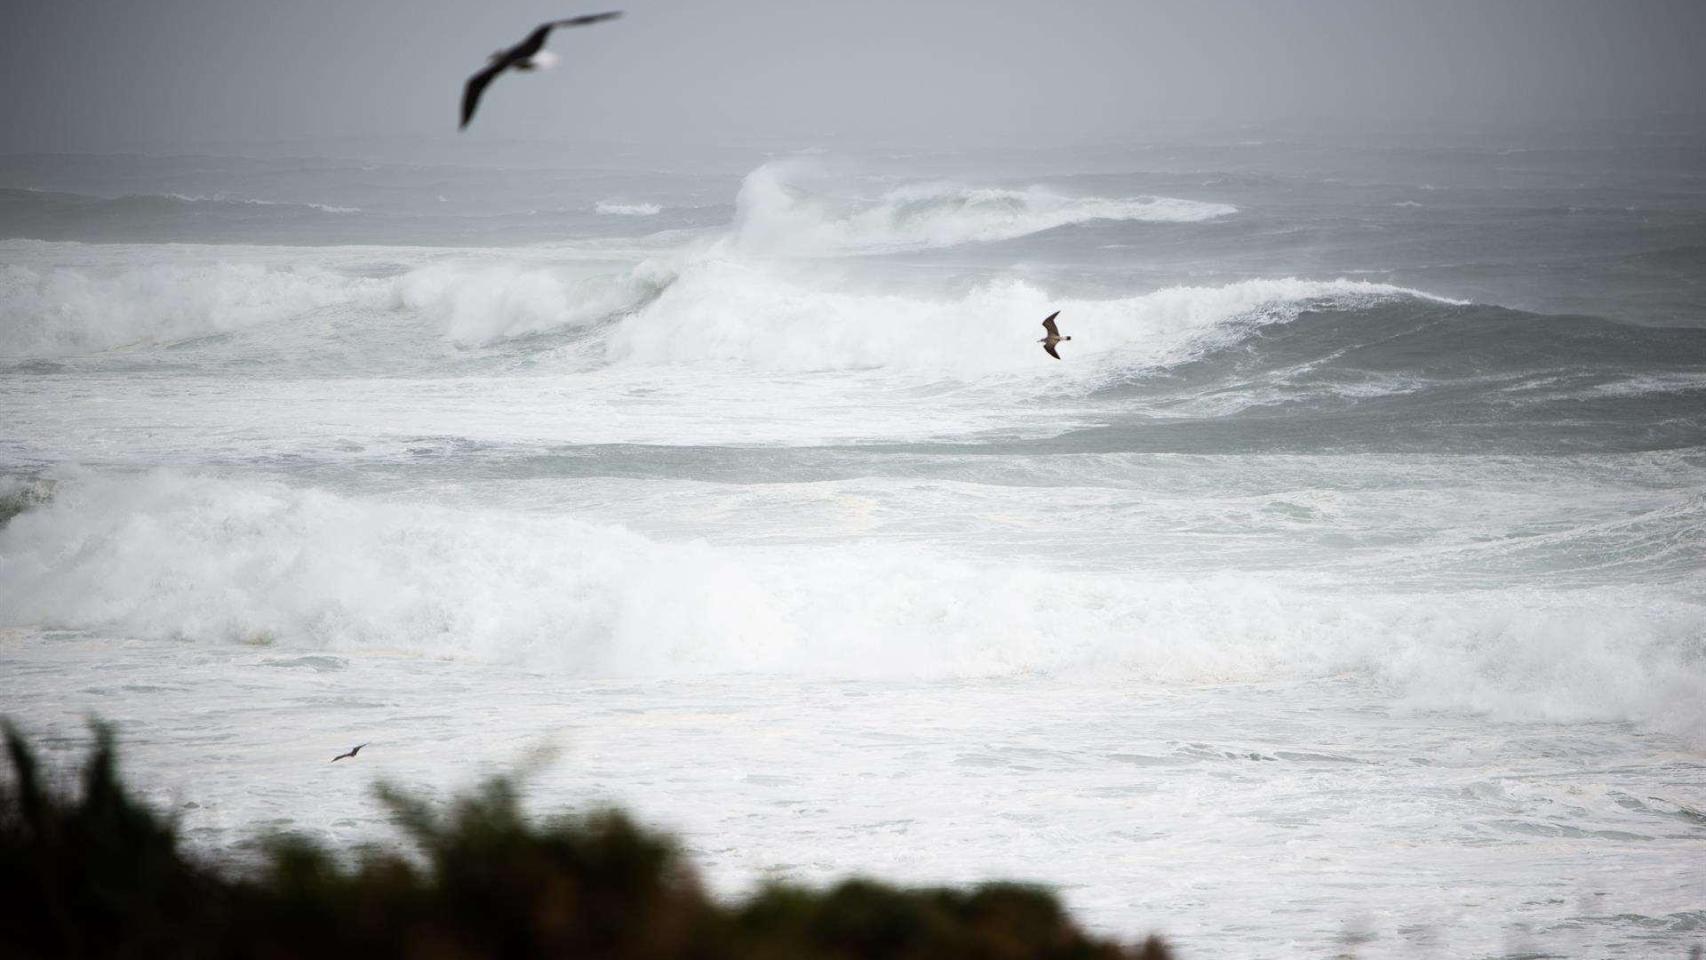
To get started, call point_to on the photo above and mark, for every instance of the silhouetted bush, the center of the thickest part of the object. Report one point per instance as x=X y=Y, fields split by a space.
x=100 y=875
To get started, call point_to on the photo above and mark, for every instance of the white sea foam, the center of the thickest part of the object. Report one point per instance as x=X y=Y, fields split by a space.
x=137 y=298
x=209 y=560
x=749 y=312
x=58 y=311
x=729 y=304
x=253 y=202
x=766 y=464
x=617 y=208
x=776 y=215
x=702 y=303
x=1644 y=384
x=479 y=304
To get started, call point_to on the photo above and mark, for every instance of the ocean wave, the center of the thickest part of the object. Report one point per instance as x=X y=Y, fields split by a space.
x=749 y=312
x=22 y=492
x=62 y=311
x=1204 y=351
x=173 y=217
x=776 y=215
x=698 y=304
x=27 y=202
x=157 y=297
x=1472 y=355
x=209 y=560
x=483 y=304
x=253 y=202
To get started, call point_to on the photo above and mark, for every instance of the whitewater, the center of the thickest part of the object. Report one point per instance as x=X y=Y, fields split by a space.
x=1343 y=587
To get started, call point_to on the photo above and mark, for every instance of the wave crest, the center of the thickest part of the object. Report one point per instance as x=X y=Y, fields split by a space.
x=63 y=311
x=776 y=215
x=480 y=305
x=735 y=311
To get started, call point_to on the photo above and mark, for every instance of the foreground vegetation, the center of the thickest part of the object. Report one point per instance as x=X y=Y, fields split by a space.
x=94 y=873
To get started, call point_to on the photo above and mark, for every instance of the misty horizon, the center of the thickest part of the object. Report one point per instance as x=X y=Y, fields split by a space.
x=183 y=73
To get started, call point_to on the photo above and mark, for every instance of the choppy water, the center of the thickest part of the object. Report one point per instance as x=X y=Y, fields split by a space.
x=1344 y=585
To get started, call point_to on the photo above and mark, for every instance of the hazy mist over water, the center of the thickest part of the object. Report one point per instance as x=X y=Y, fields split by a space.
x=181 y=75
x=1344 y=583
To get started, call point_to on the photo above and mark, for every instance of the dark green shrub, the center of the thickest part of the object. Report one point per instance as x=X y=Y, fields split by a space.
x=98 y=875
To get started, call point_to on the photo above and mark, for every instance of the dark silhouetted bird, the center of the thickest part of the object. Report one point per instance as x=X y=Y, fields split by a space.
x=529 y=54
x=353 y=751
x=1053 y=337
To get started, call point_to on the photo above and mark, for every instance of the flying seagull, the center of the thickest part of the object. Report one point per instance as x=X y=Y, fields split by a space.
x=529 y=54
x=353 y=751
x=1053 y=337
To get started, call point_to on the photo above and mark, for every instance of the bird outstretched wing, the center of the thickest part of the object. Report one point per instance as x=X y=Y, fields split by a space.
x=1050 y=348
x=476 y=86
x=536 y=39
x=1048 y=325
x=584 y=20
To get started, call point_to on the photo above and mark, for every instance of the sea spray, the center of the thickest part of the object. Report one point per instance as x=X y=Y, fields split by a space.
x=168 y=554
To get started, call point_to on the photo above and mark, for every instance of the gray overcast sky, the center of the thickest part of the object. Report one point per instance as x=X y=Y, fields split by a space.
x=166 y=74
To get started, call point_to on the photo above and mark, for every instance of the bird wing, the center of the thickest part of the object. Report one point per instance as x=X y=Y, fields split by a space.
x=1049 y=324
x=1050 y=348
x=341 y=756
x=536 y=39
x=477 y=85
x=584 y=20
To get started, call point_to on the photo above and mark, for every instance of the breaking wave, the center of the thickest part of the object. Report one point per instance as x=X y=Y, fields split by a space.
x=482 y=305
x=774 y=214
x=209 y=560
x=750 y=313
x=1373 y=356
x=726 y=302
x=697 y=307
x=62 y=311
x=49 y=312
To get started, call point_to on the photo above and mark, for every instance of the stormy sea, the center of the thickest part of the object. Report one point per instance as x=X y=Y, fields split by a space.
x=1342 y=588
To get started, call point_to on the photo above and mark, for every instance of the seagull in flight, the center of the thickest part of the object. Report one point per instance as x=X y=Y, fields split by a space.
x=353 y=751
x=1053 y=337
x=529 y=54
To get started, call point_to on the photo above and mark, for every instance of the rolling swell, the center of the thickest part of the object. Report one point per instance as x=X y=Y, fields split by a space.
x=44 y=215
x=1409 y=373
